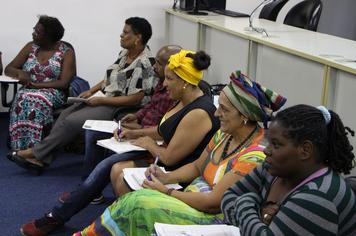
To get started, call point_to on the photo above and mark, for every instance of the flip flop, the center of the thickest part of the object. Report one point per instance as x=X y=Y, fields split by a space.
x=22 y=162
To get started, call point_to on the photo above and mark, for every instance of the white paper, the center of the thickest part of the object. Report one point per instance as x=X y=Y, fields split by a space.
x=118 y=147
x=201 y=230
x=134 y=177
x=107 y=126
x=72 y=100
x=4 y=78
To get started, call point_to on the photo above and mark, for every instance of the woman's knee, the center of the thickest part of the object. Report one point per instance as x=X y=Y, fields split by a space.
x=116 y=171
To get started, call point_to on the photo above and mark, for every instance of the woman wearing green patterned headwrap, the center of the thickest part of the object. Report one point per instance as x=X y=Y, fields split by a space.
x=233 y=152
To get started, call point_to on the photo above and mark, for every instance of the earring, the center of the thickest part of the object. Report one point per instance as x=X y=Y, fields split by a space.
x=245 y=122
x=184 y=86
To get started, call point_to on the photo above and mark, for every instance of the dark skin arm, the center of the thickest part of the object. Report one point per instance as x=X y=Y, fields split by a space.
x=206 y=202
x=14 y=69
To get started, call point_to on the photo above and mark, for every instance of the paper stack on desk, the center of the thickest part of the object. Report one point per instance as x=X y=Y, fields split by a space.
x=134 y=177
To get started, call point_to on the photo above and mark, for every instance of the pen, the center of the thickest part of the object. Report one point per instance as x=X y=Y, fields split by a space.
x=155 y=166
x=119 y=131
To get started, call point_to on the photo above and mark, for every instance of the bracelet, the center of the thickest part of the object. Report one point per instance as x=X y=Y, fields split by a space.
x=169 y=191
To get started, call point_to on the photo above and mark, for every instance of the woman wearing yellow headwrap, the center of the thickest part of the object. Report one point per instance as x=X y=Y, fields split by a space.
x=193 y=111
x=235 y=150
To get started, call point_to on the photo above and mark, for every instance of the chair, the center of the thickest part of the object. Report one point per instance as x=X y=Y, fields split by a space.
x=305 y=15
x=271 y=10
x=351 y=180
x=206 y=88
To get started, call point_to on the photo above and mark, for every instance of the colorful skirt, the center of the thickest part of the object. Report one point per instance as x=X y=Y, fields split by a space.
x=31 y=113
x=135 y=214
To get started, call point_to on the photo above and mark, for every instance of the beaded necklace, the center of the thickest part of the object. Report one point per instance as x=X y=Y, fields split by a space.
x=224 y=153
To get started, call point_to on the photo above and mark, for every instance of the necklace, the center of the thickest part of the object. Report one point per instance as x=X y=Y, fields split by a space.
x=224 y=154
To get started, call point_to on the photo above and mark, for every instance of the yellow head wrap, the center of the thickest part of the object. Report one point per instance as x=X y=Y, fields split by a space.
x=183 y=66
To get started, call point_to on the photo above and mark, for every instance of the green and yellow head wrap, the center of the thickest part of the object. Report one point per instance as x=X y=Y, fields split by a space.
x=183 y=66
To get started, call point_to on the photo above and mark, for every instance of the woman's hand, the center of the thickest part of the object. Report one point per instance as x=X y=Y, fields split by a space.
x=23 y=77
x=126 y=134
x=154 y=184
x=154 y=170
x=85 y=94
x=268 y=212
x=144 y=142
x=96 y=101
x=129 y=118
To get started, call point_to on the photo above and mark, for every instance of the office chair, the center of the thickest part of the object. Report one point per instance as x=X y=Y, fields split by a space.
x=271 y=10
x=351 y=180
x=305 y=15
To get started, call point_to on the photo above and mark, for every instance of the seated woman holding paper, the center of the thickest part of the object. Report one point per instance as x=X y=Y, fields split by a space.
x=44 y=67
x=128 y=82
x=299 y=190
x=233 y=152
x=193 y=111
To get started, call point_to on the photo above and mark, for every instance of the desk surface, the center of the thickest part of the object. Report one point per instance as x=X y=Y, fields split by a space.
x=7 y=79
x=330 y=50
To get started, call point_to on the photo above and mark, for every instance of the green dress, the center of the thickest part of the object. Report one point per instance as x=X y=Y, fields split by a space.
x=136 y=212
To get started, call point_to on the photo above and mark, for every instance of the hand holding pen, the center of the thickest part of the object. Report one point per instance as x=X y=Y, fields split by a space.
x=154 y=169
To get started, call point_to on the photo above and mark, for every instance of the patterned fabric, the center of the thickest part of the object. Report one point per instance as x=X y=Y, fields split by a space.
x=122 y=79
x=253 y=100
x=183 y=66
x=135 y=213
x=325 y=205
x=32 y=109
x=152 y=112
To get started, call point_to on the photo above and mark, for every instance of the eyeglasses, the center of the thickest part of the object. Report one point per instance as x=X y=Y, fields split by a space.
x=38 y=30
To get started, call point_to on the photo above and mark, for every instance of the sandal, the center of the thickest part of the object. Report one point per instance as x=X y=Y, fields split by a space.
x=22 y=162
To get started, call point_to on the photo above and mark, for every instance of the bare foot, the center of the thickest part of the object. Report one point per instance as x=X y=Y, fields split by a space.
x=35 y=161
x=27 y=153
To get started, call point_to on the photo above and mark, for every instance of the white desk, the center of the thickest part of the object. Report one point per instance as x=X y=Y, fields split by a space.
x=304 y=66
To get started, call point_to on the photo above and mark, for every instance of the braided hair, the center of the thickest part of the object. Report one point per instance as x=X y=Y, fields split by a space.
x=304 y=122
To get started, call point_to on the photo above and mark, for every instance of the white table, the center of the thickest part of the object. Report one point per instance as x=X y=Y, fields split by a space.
x=305 y=66
x=5 y=82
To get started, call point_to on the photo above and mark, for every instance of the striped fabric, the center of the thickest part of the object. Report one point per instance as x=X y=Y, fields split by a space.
x=323 y=206
x=253 y=100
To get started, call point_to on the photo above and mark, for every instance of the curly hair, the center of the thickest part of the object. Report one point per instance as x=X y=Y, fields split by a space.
x=140 y=26
x=304 y=122
x=54 y=29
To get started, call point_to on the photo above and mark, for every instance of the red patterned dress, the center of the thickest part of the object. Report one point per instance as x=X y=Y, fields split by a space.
x=32 y=110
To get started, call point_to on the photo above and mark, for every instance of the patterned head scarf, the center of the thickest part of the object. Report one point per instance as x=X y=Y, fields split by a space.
x=183 y=66
x=253 y=100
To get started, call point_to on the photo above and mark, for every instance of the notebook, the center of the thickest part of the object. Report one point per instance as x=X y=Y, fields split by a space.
x=134 y=177
x=72 y=100
x=201 y=230
x=118 y=147
x=107 y=126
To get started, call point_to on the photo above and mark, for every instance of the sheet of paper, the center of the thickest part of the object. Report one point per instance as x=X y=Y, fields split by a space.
x=201 y=230
x=71 y=100
x=107 y=126
x=135 y=177
x=118 y=147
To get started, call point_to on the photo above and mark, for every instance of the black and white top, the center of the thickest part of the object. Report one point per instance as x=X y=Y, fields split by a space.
x=122 y=79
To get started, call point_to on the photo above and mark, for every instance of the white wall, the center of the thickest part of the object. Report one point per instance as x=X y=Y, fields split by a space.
x=93 y=27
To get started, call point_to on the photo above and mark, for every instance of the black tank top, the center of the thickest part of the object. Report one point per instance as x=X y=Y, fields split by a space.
x=169 y=126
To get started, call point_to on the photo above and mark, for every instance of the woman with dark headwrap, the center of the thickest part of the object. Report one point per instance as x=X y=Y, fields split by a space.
x=233 y=152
